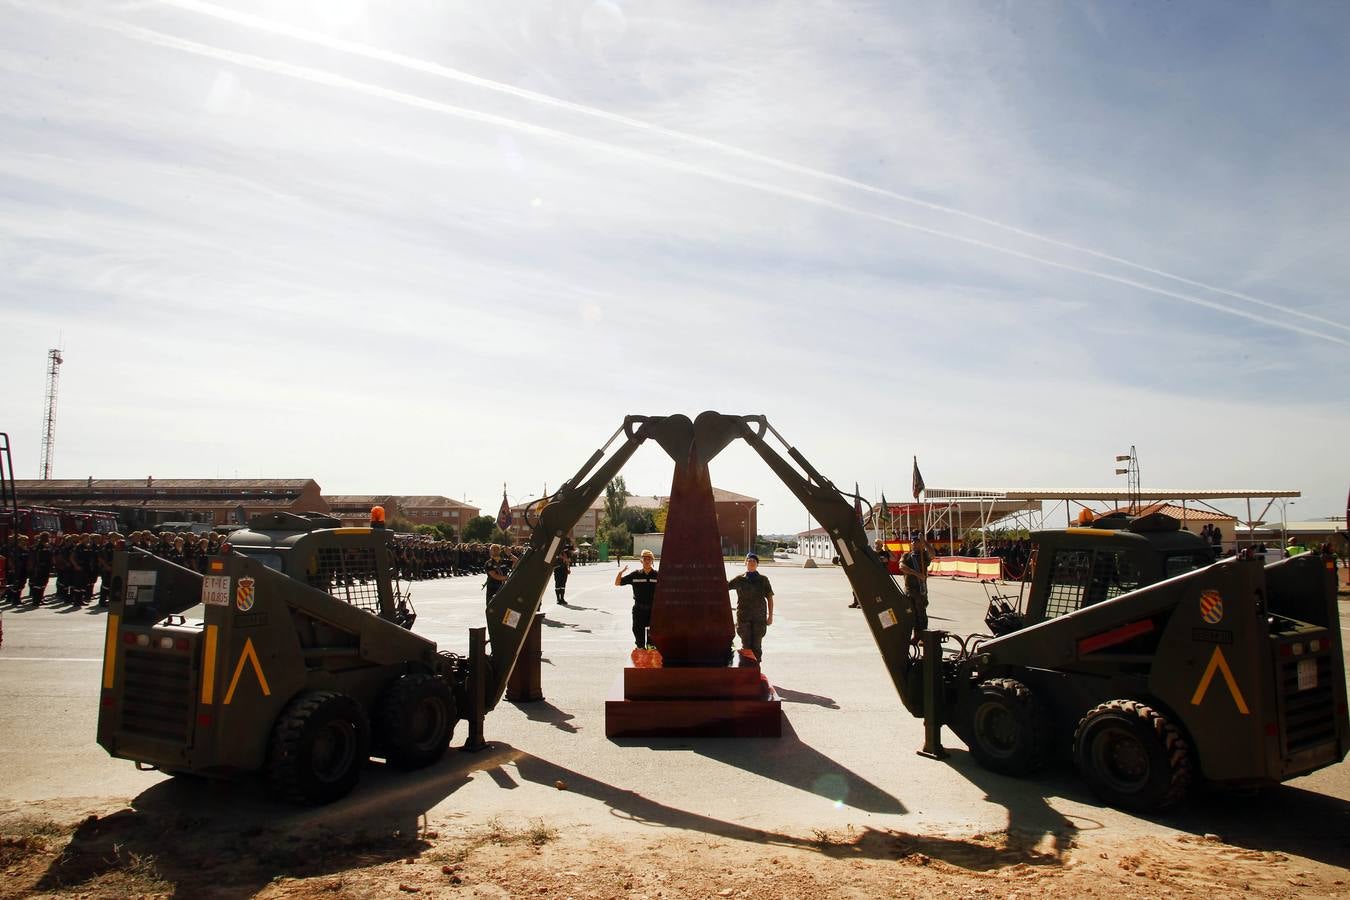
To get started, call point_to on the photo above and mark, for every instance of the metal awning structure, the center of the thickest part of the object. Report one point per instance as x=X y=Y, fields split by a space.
x=1099 y=500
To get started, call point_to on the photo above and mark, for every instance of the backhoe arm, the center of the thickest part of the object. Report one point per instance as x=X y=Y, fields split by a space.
x=512 y=610
x=889 y=613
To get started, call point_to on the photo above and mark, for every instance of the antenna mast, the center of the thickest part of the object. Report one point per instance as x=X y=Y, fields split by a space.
x=49 y=422
x=1131 y=473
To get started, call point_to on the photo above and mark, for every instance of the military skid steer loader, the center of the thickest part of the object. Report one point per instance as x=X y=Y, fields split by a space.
x=1153 y=668
x=299 y=666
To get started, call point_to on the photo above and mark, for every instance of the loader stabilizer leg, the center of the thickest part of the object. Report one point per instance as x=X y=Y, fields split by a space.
x=478 y=677
x=932 y=695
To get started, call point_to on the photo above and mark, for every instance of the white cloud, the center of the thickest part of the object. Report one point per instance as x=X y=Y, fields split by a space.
x=249 y=268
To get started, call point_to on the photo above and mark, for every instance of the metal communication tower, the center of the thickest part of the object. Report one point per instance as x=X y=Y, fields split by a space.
x=49 y=422
x=1131 y=473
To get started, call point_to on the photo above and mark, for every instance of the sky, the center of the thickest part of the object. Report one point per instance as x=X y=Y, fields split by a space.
x=431 y=247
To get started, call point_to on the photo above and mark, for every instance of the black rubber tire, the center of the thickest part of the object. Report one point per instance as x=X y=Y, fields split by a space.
x=416 y=720
x=319 y=744
x=1006 y=727
x=1132 y=756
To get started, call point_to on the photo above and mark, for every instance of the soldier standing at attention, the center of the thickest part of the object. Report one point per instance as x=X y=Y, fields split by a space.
x=16 y=571
x=914 y=568
x=643 y=582
x=498 y=569
x=40 y=568
x=562 y=565
x=754 y=606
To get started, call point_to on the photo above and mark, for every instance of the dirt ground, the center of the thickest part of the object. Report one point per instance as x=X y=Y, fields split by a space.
x=84 y=850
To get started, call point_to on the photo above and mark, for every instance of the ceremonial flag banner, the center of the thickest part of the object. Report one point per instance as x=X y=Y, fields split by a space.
x=857 y=505
x=504 y=514
x=918 y=479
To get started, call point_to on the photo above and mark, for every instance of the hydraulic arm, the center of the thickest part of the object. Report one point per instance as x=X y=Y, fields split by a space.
x=512 y=610
x=889 y=613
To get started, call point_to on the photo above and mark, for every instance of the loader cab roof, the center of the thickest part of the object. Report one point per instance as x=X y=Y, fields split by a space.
x=1156 y=532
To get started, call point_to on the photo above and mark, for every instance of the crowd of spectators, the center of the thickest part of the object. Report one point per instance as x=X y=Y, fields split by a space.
x=1014 y=554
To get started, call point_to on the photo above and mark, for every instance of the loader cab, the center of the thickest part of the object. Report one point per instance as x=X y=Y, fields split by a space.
x=351 y=564
x=1073 y=568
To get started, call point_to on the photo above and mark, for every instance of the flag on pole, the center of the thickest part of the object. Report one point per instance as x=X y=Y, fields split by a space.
x=857 y=506
x=504 y=514
x=885 y=516
x=918 y=480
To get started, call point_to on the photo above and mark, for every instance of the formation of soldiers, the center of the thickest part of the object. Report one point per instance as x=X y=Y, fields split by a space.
x=76 y=561
x=417 y=558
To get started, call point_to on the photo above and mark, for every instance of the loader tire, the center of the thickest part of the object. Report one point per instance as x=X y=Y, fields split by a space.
x=1132 y=756
x=415 y=720
x=1008 y=729
x=319 y=744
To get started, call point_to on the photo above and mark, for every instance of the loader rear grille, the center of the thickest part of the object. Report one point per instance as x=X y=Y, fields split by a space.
x=348 y=574
x=1309 y=714
x=157 y=694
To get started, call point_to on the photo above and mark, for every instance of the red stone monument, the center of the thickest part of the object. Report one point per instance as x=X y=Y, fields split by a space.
x=695 y=692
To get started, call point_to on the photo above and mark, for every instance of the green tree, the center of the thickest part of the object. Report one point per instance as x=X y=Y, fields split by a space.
x=620 y=540
x=616 y=500
x=638 y=521
x=429 y=530
x=660 y=516
x=401 y=525
x=447 y=531
x=501 y=537
x=479 y=529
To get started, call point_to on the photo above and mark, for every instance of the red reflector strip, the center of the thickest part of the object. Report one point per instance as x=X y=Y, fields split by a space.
x=205 y=720
x=1114 y=636
x=128 y=637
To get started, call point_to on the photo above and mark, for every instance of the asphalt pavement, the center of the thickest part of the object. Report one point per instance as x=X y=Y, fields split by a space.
x=847 y=757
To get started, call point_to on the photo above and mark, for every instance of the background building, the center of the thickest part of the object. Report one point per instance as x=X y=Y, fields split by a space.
x=147 y=502
x=419 y=509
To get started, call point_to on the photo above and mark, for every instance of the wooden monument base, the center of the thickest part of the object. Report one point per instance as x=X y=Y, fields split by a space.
x=692 y=702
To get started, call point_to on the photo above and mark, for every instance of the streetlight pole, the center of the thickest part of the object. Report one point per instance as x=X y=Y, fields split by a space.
x=1285 y=503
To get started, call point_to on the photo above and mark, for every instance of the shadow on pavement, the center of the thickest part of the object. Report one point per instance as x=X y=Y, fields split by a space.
x=790 y=696
x=544 y=711
x=1031 y=819
x=570 y=626
x=1284 y=818
x=231 y=839
x=789 y=761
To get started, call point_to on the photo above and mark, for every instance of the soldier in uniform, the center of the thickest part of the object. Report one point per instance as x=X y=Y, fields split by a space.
x=40 y=568
x=85 y=569
x=754 y=606
x=643 y=582
x=498 y=568
x=16 y=570
x=914 y=568
x=562 y=566
x=107 y=547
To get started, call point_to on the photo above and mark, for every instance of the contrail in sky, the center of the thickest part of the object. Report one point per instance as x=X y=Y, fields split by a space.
x=319 y=76
x=408 y=62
